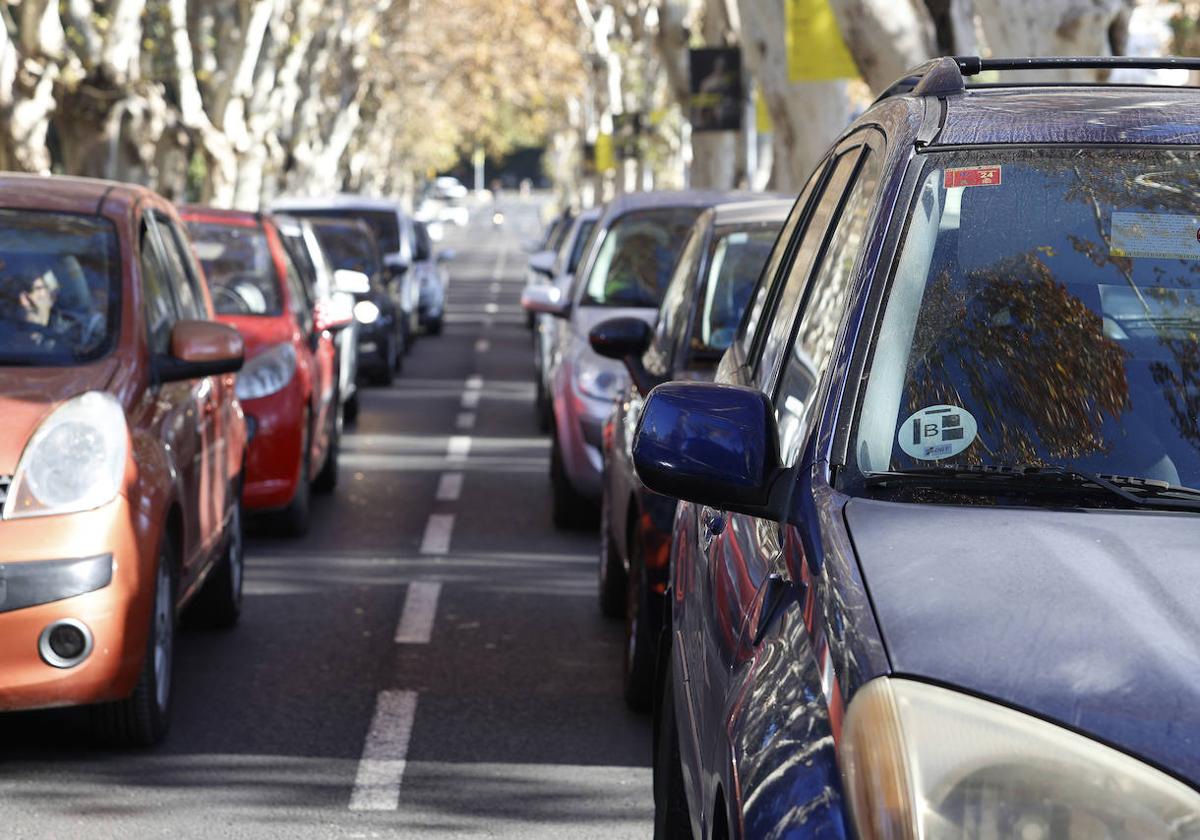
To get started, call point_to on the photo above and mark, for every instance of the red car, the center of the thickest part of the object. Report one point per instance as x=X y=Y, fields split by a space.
x=288 y=386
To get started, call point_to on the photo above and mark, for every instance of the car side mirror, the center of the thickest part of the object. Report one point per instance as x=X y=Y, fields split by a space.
x=626 y=339
x=543 y=263
x=715 y=445
x=199 y=349
x=546 y=299
x=351 y=282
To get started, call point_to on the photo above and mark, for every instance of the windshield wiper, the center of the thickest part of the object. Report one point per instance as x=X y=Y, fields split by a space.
x=1133 y=490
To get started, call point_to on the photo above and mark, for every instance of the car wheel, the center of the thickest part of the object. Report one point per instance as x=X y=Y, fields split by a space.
x=569 y=509
x=142 y=719
x=671 y=817
x=294 y=519
x=435 y=326
x=327 y=478
x=612 y=572
x=640 y=645
x=350 y=409
x=219 y=603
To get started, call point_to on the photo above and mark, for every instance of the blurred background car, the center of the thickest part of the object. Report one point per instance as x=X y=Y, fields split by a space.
x=393 y=229
x=322 y=282
x=545 y=336
x=432 y=278
x=288 y=386
x=630 y=258
x=543 y=252
x=350 y=246
x=121 y=453
x=704 y=302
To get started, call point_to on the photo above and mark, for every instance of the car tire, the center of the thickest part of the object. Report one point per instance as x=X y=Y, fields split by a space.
x=570 y=510
x=640 y=644
x=294 y=519
x=672 y=820
x=219 y=604
x=435 y=326
x=611 y=570
x=327 y=479
x=142 y=718
x=350 y=409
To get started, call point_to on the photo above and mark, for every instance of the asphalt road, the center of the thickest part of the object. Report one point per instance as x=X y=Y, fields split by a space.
x=429 y=662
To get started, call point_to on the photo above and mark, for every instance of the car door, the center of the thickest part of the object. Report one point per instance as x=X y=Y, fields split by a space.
x=741 y=551
x=324 y=359
x=178 y=407
x=212 y=394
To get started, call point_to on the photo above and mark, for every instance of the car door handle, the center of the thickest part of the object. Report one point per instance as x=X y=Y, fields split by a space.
x=779 y=595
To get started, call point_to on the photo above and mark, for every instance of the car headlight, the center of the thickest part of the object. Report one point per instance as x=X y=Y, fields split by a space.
x=596 y=380
x=75 y=460
x=921 y=761
x=366 y=312
x=268 y=372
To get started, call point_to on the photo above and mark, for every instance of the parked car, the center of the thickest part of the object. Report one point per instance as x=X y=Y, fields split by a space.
x=120 y=456
x=543 y=252
x=288 y=386
x=327 y=287
x=429 y=271
x=560 y=273
x=935 y=568
x=350 y=246
x=717 y=270
x=397 y=239
x=632 y=253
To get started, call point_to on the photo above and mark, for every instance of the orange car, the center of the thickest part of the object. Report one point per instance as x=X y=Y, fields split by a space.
x=120 y=452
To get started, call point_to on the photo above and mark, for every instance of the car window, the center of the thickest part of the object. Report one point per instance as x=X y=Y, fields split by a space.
x=672 y=314
x=349 y=247
x=1044 y=310
x=782 y=314
x=158 y=301
x=60 y=287
x=736 y=256
x=771 y=277
x=578 y=246
x=424 y=250
x=822 y=310
x=188 y=298
x=385 y=224
x=636 y=257
x=241 y=273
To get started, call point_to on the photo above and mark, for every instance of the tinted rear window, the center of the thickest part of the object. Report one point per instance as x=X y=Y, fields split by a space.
x=385 y=224
x=348 y=247
x=241 y=274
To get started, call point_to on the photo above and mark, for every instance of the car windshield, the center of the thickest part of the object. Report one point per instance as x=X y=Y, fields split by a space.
x=637 y=256
x=60 y=280
x=385 y=224
x=736 y=258
x=241 y=274
x=1045 y=310
x=348 y=247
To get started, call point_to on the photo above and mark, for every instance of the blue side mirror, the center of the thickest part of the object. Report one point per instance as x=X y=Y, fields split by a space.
x=716 y=445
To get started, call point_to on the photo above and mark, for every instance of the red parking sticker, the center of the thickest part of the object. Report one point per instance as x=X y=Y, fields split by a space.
x=974 y=176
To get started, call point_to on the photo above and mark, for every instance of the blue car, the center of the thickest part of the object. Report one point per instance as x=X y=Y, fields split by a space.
x=936 y=572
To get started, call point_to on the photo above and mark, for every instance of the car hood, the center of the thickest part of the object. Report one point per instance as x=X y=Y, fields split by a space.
x=28 y=394
x=260 y=332
x=1085 y=618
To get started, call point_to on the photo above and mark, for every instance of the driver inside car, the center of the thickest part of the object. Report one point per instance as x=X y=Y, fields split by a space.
x=38 y=297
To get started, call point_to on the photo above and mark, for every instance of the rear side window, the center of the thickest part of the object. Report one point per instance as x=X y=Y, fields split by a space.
x=241 y=273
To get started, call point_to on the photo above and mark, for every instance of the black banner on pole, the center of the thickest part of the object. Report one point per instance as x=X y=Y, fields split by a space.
x=716 y=89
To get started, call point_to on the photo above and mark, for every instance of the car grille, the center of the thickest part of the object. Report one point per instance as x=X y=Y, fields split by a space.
x=5 y=480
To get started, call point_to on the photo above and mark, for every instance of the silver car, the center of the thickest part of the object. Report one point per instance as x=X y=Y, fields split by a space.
x=629 y=259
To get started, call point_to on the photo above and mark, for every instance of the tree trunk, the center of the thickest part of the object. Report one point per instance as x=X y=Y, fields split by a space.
x=885 y=37
x=1049 y=27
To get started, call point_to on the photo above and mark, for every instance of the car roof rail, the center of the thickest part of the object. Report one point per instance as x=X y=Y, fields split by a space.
x=946 y=76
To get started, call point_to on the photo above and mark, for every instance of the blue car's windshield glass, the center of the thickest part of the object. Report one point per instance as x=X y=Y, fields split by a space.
x=1045 y=310
x=637 y=256
x=60 y=281
x=735 y=260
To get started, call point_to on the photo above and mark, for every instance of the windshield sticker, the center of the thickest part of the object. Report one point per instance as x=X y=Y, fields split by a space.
x=1160 y=236
x=974 y=176
x=936 y=432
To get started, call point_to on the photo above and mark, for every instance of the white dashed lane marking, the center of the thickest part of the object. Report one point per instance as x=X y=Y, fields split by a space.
x=449 y=487
x=385 y=753
x=458 y=448
x=438 y=531
x=465 y=421
x=419 y=613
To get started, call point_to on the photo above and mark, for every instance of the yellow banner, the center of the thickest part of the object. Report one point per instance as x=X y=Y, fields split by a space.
x=762 y=115
x=606 y=161
x=815 y=48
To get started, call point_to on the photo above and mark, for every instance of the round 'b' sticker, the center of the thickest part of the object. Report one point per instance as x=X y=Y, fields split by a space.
x=936 y=432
